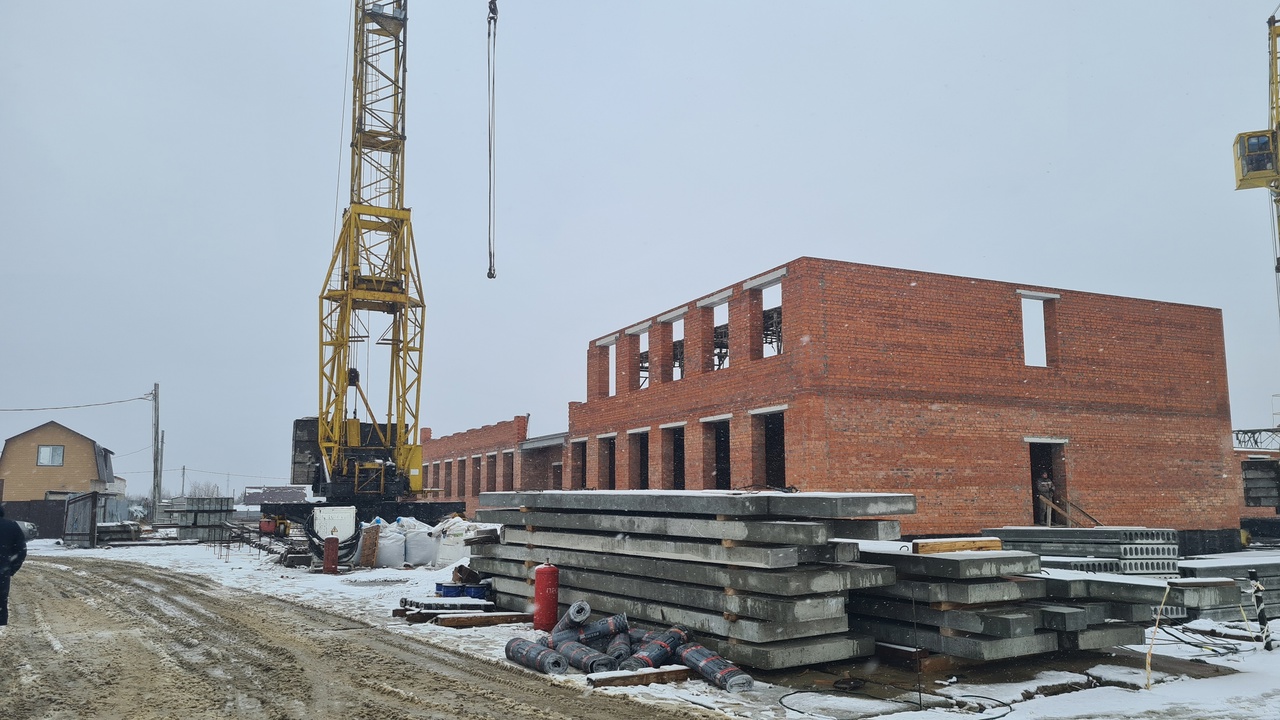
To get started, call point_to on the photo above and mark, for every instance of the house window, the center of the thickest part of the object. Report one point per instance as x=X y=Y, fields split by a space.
x=49 y=455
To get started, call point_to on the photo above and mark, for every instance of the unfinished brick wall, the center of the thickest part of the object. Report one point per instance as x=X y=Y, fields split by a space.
x=897 y=380
x=463 y=464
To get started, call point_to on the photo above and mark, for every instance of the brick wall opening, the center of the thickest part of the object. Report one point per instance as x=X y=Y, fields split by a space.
x=608 y=471
x=448 y=478
x=475 y=476
x=1046 y=459
x=638 y=460
x=508 y=471
x=775 y=449
x=771 y=338
x=613 y=370
x=677 y=349
x=644 y=360
x=720 y=343
x=578 y=465
x=557 y=476
x=673 y=461
x=716 y=445
x=491 y=473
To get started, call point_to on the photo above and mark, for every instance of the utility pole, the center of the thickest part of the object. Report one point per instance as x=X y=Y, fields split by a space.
x=157 y=452
x=183 y=492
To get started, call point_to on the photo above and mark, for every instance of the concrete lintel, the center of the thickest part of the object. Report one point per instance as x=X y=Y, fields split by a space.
x=671 y=425
x=638 y=431
x=714 y=552
x=973 y=648
x=840 y=505
x=1004 y=623
x=959 y=565
x=1045 y=440
x=606 y=436
x=509 y=452
x=492 y=454
x=768 y=410
x=477 y=456
x=638 y=329
x=607 y=341
x=716 y=418
x=778 y=532
x=1038 y=295
x=578 y=439
x=769 y=279
x=789 y=582
x=672 y=316
x=719 y=298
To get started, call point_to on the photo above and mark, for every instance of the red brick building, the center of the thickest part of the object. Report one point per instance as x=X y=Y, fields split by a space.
x=825 y=375
x=458 y=467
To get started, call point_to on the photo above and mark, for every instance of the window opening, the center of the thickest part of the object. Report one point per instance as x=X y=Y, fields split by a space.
x=677 y=349
x=578 y=469
x=1034 y=345
x=49 y=455
x=491 y=473
x=644 y=360
x=638 y=459
x=720 y=338
x=677 y=458
x=557 y=476
x=775 y=450
x=462 y=477
x=448 y=478
x=719 y=440
x=475 y=477
x=509 y=471
x=613 y=370
x=771 y=301
x=608 y=470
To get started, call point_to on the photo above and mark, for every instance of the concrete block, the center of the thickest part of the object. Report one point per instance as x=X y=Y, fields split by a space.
x=963 y=592
x=1232 y=565
x=1060 y=617
x=840 y=505
x=996 y=622
x=1097 y=638
x=792 y=653
x=973 y=647
x=835 y=551
x=958 y=565
x=645 y=546
x=709 y=502
x=1103 y=550
x=1128 y=588
x=776 y=532
x=1130 y=612
x=865 y=529
x=813 y=580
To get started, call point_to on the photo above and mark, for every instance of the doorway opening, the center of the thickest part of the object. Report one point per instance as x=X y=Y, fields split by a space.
x=1048 y=478
x=718 y=434
x=775 y=450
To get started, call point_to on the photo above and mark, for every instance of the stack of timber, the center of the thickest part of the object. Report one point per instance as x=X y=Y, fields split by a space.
x=976 y=603
x=1237 y=567
x=759 y=576
x=1149 y=552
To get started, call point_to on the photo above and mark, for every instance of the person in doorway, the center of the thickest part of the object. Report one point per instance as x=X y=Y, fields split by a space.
x=13 y=550
x=1044 y=496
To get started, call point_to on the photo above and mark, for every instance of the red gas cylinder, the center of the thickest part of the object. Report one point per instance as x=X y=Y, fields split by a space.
x=331 y=555
x=546 y=596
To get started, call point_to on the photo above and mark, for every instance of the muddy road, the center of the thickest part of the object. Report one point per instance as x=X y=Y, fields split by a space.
x=102 y=639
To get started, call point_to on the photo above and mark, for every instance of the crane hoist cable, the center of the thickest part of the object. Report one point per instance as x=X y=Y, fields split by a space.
x=491 y=56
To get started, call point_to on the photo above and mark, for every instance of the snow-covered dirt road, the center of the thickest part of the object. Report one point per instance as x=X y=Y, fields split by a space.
x=103 y=639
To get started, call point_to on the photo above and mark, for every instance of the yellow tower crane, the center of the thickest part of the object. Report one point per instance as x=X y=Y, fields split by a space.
x=372 y=300
x=1256 y=153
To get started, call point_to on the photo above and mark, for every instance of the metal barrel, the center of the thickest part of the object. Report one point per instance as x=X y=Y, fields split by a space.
x=573 y=617
x=586 y=659
x=718 y=671
x=536 y=657
x=658 y=650
x=619 y=647
x=603 y=628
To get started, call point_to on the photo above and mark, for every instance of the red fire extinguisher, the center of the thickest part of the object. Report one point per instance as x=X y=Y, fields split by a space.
x=546 y=596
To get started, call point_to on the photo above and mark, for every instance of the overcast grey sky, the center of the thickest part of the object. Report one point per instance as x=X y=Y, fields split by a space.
x=169 y=179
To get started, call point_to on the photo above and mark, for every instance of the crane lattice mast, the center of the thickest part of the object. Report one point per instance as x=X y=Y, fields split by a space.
x=373 y=291
x=1257 y=153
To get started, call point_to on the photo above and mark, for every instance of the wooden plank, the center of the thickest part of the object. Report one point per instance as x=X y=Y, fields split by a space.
x=938 y=545
x=664 y=674
x=483 y=619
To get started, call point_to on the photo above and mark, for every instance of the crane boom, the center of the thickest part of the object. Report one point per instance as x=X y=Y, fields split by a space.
x=1257 y=154
x=372 y=294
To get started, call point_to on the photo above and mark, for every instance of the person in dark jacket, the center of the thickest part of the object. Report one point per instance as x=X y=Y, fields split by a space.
x=13 y=550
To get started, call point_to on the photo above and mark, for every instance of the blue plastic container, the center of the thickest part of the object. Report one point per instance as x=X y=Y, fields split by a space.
x=451 y=590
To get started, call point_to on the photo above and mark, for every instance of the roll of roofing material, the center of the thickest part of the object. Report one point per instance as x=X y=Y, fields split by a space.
x=573 y=617
x=536 y=657
x=586 y=659
x=619 y=647
x=718 y=671
x=658 y=650
x=603 y=628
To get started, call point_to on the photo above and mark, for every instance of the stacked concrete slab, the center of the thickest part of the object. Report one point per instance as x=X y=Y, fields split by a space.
x=977 y=605
x=201 y=518
x=1237 y=567
x=1149 y=552
x=759 y=576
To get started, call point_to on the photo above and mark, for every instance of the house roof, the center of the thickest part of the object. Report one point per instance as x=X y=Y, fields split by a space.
x=58 y=424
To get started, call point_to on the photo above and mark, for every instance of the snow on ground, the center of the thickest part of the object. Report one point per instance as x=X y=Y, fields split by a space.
x=1252 y=693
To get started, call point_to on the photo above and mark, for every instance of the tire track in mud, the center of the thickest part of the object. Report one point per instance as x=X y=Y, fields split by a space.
x=106 y=639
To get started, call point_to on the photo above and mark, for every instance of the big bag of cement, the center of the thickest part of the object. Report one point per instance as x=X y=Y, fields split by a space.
x=390 y=548
x=421 y=545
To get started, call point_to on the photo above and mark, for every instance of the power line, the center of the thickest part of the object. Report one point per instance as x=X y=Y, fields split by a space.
x=75 y=407
x=206 y=472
